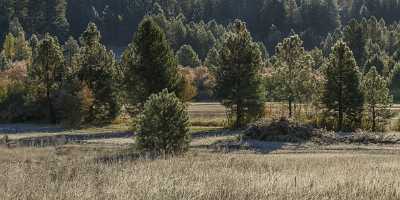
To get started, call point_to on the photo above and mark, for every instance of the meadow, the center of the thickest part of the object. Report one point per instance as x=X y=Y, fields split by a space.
x=100 y=164
x=75 y=172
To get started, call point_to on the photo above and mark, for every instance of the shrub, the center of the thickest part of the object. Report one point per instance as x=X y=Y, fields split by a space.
x=280 y=130
x=189 y=90
x=164 y=125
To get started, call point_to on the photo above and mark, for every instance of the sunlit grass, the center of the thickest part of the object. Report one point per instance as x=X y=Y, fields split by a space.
x=49 y=174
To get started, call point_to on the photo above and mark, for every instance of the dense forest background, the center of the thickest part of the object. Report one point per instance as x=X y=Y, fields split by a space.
x=268 y=20
x=104 y=57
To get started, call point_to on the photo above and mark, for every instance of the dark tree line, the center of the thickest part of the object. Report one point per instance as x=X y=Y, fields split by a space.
x=268 y=20
x=310 y=51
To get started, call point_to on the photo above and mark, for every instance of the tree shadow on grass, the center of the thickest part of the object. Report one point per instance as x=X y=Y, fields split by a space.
x=29 y=128
x=259 y=147
x=66 y=139
x=119 y=157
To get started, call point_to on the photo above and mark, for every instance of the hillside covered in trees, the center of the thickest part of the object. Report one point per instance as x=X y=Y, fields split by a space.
x=268 y=20
x=105 y=58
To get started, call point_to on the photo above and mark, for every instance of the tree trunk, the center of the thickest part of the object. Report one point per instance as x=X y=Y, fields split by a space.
x=50 y=107
x=373 y=119
x=340 y=102
x=52 y=117
x=290 y=107
x=340 y=121
x=239 y=116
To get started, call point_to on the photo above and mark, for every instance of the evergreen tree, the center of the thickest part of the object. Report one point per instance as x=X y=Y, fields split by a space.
x=47 y=68
x=4 y=62
x=355 y=37
x=34 y=43
x=318 y=58
x=238 y=82
x=200 y=38
x=187 y=57
x=150 y=64
x=376 y=61
x=9 y=47
x=211 y=61
x=54 y=13
x=97 y=70
x=292 y=71
x=71 y=55
x=293 y=17
x=22 y=49
x=163 y=126
x=264 y=51
x=342 y=96
x=15 y=27
x=377 y=98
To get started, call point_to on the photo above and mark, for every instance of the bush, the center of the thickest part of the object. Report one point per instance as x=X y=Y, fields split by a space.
x=164 y=125
x=280 y=130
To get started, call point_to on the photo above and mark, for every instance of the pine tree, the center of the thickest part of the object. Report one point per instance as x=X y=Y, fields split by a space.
x=187 y=57
x=47 y=67
x=377 y=98
x=356 y=39
x=376 y=61
x=292 y=71
x=200 y=38
x=9 y=47
x=4 y=62
x=15 y=27
x=97 y=70
x=342 y=95
x=163 y=126
x=22 y=49
x=71 y=55
x=395 y=83
x=150 y=65
x=211 y=61
x=238 y=81
x=34 y=43
x=293 y=14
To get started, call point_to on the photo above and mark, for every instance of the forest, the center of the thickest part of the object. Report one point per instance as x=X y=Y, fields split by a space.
x=268 y=20
x=94 y=56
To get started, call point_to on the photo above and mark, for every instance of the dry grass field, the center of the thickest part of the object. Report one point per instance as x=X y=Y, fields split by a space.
x=88 y=173
x=101 y=163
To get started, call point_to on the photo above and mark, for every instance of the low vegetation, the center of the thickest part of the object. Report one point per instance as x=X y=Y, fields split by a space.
x=163 y=126
x=74 y=173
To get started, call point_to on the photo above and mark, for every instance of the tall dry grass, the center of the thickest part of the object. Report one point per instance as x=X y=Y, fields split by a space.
x=50 y=174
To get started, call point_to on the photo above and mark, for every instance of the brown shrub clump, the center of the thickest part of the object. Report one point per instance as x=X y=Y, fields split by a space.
x=279 y=130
